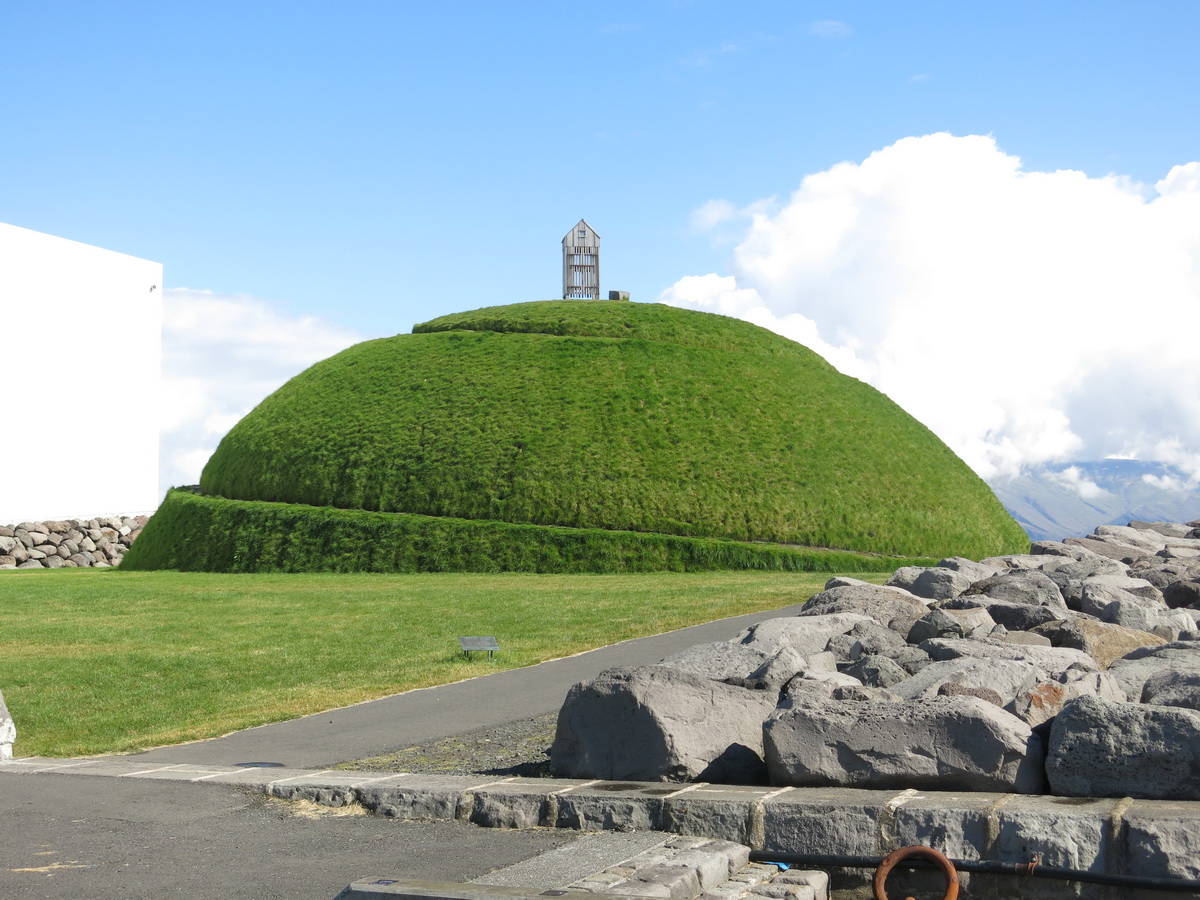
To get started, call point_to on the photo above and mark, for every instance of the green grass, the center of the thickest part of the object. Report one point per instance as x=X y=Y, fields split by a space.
x=195 y=533
x=115 y=661
x=621 y=417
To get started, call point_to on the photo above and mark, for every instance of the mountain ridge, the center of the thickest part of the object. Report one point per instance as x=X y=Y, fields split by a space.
x=1071 y=499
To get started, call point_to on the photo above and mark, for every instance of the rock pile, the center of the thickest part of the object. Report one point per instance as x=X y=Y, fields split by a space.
x=75 y=542
x=1072 y=670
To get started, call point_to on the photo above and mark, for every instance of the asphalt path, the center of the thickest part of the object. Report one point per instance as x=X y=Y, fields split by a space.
x=405 y=720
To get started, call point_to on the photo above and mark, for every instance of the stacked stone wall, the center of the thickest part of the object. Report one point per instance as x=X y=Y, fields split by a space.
x=70 y=543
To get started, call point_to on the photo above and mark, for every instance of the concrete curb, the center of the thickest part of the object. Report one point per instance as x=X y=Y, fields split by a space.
x=1123 y=836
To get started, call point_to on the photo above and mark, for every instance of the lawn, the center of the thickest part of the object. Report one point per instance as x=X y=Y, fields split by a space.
x=110 y=661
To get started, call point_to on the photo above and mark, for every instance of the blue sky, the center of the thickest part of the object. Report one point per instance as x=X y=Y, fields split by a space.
x=321 y=163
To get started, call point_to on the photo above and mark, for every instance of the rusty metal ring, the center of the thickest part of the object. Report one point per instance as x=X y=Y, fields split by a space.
x=897 y=856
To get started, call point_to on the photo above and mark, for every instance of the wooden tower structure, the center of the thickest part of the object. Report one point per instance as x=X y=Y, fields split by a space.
x=581 y=263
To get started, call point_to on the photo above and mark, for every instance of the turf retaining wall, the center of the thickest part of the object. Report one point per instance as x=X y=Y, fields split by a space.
x=197 y=533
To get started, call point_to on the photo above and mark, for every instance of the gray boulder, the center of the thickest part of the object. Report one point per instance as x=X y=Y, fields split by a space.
x=1102 y=749
x=739 y=664
x=843 y=581
x=1182 y=593
x=1133 y=670
x=821 y=679
x=973 y=570
x=726 y=661
x=930 y=583
x=1046 y=699
x=1096 y=596
x=658 y=724
x=877 y=671
x=911 y=659
x=864 y=639
x=1173 y=687
x=777 y=671
x=883 y=604
x=1111 y=549
x=1167 y=529
x=1102 y=641
x=1091 y=567
x=953 y=689
x=861 y=693
x=1056 y=548
x=1000 y=633
x=802 y=690
x=1141 y=616
x=1051 y=662
x=1164 y=573
x=951 y=623
x=936 y=623
x=804 y=634
x=1007 y=677
x=979 y=747
x=1013 y=616
x=1029 y=587
x=1148 y=541
x=1014 y=561
x=1139 y=587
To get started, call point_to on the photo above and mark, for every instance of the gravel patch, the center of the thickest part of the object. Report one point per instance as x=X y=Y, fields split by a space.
x=520 y=748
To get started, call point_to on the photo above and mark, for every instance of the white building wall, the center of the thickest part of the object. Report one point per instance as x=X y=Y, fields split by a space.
x=80 y=355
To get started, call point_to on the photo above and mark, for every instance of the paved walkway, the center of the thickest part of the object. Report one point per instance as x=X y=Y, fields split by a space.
x=405 y=720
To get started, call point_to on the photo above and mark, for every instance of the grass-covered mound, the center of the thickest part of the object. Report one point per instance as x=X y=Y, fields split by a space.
x=619 y=417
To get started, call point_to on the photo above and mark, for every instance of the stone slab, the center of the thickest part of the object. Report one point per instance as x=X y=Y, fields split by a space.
x=562 y=866
x=725 y=811
x=813 y=820
x=960 y=825
x=603 y=805
x=1163 y=838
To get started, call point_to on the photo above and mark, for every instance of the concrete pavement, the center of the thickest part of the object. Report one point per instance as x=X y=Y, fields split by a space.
x=106 y=838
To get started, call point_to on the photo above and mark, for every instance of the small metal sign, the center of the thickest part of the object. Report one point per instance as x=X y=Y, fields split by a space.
x=472 y=644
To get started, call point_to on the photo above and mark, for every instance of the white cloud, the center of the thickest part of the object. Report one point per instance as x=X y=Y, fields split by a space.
x=1168 y=483
x=1072 y=477
x=713 y=213
x=223 y=354
x=1026 y=317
